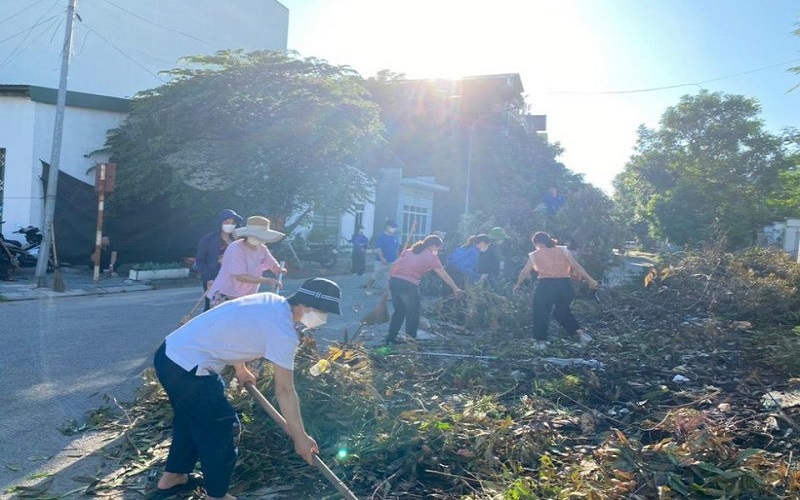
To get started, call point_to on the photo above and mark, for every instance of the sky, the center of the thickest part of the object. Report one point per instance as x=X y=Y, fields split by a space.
x=597 y=68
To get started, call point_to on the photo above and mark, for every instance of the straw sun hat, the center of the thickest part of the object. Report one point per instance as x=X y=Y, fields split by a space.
x=258 y=227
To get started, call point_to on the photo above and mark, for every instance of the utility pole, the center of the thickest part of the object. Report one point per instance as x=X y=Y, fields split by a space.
x=55 y=155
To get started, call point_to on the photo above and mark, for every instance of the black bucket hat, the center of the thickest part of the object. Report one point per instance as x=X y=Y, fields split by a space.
x=320 y=293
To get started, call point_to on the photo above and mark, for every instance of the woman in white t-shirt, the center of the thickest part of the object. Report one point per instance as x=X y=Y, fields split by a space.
x=188 y=364
x=555 y=266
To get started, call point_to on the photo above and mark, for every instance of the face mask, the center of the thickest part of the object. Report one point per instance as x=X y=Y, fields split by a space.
x=314 y=319
x=228 y=228
x=255 y=241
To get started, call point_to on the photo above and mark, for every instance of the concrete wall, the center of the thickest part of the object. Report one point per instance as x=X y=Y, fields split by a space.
x=26 y=132
x=387 y=193
x=119 y=47
x=784 y=235
x=17 y=123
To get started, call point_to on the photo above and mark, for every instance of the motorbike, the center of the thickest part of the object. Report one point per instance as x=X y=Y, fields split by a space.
x=24 y=255
x=298 y=250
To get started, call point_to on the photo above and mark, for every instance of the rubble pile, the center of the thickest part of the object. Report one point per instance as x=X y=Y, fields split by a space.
x=690 y=389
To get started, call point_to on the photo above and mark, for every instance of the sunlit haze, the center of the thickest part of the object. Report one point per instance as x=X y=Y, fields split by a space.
x=578 y=58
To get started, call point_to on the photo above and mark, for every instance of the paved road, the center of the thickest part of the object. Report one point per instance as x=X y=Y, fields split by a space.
x=75 y=350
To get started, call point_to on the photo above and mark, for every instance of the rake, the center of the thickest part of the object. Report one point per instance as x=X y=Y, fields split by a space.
x=318 y=463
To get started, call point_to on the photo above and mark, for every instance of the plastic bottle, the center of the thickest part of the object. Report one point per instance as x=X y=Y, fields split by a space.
x=320 y=367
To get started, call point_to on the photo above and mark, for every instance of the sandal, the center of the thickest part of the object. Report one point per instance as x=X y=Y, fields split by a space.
x=193 y=482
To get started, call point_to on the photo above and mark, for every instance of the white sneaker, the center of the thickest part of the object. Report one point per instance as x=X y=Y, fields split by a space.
x=539 y=345
x=423 y=335
x=584 y=338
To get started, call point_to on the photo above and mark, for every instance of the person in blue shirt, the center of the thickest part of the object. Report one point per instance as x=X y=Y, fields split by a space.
x=462 y=265
x=208 y=259
x=360 y=242
x=553 y=201
x=387 y=246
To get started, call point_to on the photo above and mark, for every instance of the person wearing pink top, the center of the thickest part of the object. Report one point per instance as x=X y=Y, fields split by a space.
x=555 y=266
x=404 y=279
x=244 y=262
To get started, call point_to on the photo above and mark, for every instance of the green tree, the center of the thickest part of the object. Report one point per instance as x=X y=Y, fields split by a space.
x=266 y=132
x=786 y=200
x=708 y=170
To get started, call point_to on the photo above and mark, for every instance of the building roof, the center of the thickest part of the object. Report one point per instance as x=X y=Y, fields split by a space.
x=424 y=183
x=74 y=99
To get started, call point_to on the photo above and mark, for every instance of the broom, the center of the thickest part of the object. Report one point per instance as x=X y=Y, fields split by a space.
x=186 y=318
x=380 y=313
x=318 y=463
x=58 y=280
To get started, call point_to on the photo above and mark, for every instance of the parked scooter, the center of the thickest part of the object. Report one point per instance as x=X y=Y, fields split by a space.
x=28 y=254
x=298 y=250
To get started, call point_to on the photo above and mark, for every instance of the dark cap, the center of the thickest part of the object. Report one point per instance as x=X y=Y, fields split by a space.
x=319 y=293
x=391 y=223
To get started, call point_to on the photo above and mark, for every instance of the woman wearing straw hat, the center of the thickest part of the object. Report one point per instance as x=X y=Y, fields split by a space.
x=244 y=262
x=188 y=363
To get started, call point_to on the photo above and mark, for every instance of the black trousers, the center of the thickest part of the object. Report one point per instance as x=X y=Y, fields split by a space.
x=206 y=301
x=405 y=299
x=204 y=426
x=359 y=262
x=553 y=296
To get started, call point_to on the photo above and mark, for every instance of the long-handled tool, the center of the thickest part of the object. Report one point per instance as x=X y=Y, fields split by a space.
x=279 y=286
x=58 y=280
x=189 y=316
x=318 y=463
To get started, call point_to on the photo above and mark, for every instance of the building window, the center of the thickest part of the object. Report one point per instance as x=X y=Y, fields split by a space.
x=412 y=214
x=359 y=217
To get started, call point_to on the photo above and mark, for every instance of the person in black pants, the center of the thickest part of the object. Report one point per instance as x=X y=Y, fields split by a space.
x=404 y=279
x=555 y=267
x=360 y=242
x=188 y=364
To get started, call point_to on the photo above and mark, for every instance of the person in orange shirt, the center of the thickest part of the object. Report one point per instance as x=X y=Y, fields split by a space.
x=555 y=266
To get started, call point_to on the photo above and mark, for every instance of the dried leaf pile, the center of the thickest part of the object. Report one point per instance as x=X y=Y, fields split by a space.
x=689 y=390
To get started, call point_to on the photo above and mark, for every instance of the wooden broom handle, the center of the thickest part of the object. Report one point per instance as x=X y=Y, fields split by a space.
x=318 y=463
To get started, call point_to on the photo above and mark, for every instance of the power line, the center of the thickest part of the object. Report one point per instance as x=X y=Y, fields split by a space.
x=157 y=24
x=667 y=87
x=16 y=51
x=124 y=54
x=20 y=12
x=25 y=30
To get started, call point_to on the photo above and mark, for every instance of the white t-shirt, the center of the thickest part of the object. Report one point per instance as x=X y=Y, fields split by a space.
x=236 y=331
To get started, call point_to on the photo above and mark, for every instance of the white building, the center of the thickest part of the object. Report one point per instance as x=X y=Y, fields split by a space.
x=119 y=48
x=782 y=234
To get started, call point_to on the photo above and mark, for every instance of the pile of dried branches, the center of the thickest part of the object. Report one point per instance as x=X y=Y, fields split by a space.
x=686 y=392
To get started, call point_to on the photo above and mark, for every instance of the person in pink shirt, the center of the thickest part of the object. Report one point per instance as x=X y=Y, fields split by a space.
x=404 y=278
x=245 y=261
